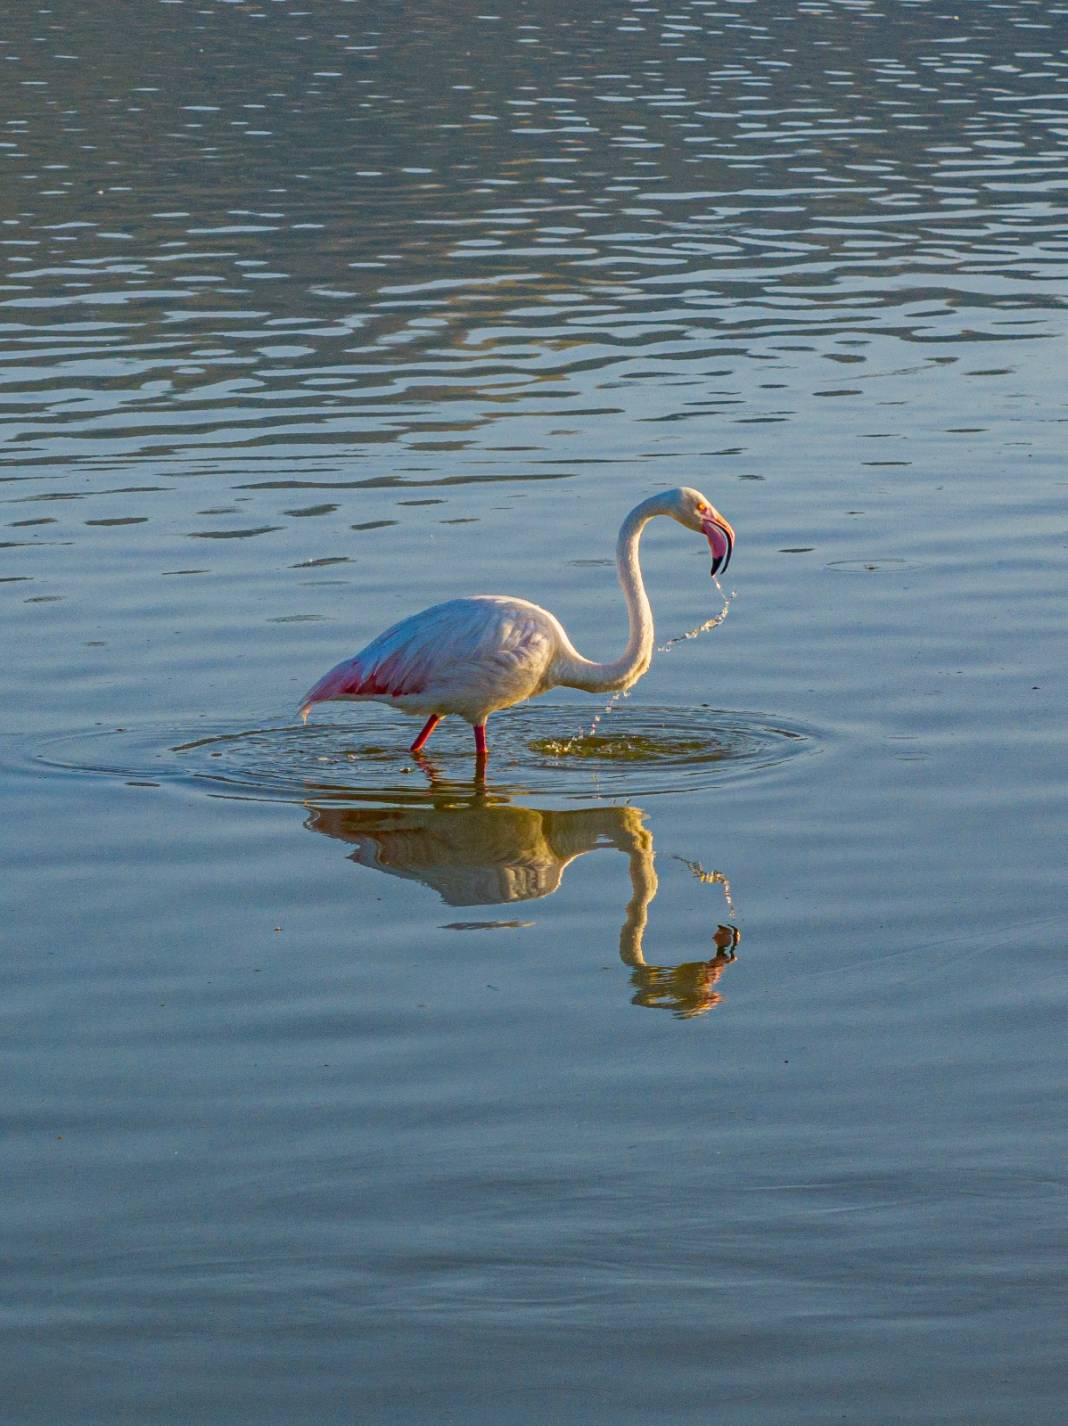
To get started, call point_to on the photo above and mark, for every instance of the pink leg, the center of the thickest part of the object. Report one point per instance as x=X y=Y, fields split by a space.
x=428 y=727
x=481 y=750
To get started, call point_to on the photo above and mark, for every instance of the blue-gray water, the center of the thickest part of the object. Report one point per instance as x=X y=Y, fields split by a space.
x=338 y=1089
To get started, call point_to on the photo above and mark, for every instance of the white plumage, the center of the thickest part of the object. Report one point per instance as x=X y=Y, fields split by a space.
x=471 y=657
x=467 y=656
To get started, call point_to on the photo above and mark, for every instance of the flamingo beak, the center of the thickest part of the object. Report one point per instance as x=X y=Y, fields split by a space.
x=720 y=538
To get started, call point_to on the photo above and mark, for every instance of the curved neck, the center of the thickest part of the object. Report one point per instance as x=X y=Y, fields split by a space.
x=574 y=671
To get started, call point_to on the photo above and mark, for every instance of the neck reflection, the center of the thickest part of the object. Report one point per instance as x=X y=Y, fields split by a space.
x=475 y=849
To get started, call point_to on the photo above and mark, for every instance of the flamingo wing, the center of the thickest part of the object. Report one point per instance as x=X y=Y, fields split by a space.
x=465 y=656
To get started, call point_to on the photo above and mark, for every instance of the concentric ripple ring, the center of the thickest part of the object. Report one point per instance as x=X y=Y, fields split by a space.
x=537 y=749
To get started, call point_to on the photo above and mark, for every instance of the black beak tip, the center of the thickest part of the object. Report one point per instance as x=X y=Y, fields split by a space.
x=720 y=561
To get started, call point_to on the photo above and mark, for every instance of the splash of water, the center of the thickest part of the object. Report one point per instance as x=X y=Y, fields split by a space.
x=609 y=707
x=713 y=623
x=582 y=740
x=621 y=693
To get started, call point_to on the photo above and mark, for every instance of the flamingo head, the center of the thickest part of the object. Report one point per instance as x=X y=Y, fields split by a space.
x=692 y=509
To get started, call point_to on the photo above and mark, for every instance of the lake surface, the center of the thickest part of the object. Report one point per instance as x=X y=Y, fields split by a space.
x=711 y=1071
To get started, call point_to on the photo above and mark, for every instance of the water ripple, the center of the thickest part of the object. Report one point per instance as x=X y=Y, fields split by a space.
x=536 y=749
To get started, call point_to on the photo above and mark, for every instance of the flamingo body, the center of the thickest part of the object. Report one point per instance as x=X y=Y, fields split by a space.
x=471 y=657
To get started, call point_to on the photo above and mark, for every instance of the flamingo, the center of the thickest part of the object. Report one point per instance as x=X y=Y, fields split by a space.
x=471 y=657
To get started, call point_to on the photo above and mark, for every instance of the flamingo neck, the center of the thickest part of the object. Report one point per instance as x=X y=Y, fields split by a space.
x=572 y=669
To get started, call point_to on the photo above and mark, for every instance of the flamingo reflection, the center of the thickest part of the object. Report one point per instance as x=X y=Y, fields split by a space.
x=475 y=852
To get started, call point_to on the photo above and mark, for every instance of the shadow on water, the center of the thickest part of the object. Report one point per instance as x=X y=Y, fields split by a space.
x=475 y=851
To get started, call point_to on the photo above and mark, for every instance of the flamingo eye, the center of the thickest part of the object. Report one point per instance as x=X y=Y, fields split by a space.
x=702 y=508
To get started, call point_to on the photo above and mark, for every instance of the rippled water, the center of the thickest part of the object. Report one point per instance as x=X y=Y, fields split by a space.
x=311 y=316
x=652 y=751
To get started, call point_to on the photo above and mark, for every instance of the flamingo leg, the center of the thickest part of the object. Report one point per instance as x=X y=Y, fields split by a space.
x=481 y=750
x=428 y=727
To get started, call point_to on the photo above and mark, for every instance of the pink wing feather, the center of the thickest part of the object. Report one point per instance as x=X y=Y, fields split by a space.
x=386 y=668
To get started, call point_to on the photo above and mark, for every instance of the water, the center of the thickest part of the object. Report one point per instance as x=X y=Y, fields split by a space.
x=714 y=1063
